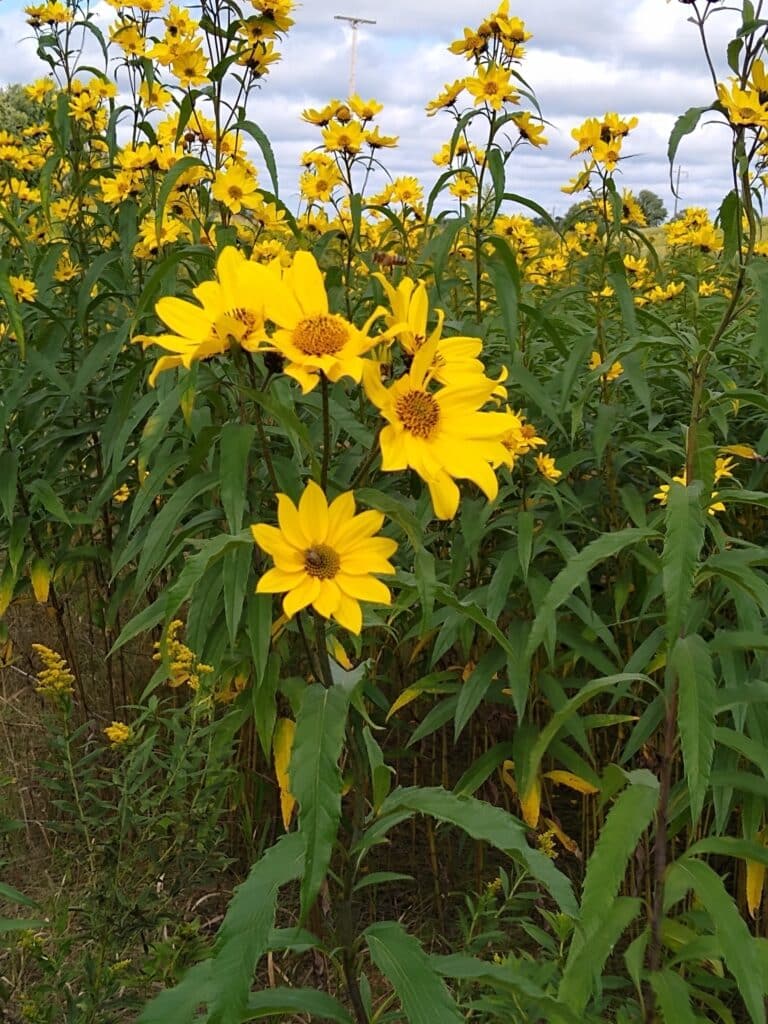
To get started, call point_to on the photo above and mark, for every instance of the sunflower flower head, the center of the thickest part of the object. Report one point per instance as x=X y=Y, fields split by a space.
x=310 y=338
x=325 y=556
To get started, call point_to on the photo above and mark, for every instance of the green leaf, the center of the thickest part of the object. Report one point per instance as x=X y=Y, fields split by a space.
x=262 y=141
x=491 y=824
x=21 y=924
x=316 y=780
x=683 y=126
x=420 y=989
x=738 y=947
x=673 y=998
x=691 y=663
x=483 y=767
x=7 y=892
x=236 y=441
x=475 y=688
x=381 y=773
x=583 y=969
x=627 y=820
x=180 y=1003
x=155 y=547
x=9 y=471
x=575 y=573
x=245 y=931
x=505 y=275
x=286 y=1002
x=169 y=180
x=528 y=768
x=235 y=570
x=50 y=501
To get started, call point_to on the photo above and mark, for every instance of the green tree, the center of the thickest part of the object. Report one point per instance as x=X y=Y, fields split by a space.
x=653 y=207
x=17 y=110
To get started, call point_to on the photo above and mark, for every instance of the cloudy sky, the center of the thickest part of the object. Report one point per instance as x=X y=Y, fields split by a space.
x=637 y=57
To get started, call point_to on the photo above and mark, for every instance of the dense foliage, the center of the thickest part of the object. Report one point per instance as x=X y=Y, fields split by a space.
x=496 y=750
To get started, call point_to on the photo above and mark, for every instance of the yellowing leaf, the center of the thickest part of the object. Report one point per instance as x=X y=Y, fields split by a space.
x=571 y=781
x=756 y=877
x=562 y=837
x=340 y=655
x=530 y=804
x=40 y=575
x=282 y=745
x=743 y=451
x=755 y=882
x=7 y=585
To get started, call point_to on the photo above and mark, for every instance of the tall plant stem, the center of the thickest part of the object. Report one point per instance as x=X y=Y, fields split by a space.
x=346 y=918
x=660 y=840
x=326 y=432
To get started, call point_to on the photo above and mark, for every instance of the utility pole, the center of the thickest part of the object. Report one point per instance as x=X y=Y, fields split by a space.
x=354 y=22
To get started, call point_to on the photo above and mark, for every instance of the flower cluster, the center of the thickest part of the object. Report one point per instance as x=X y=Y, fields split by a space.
x=183 y=665
x=54 y=680
x=118 y=733
x=601 y=140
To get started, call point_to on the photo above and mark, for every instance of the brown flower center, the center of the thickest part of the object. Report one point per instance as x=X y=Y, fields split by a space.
x=235 y=192
x=418 y=412
x=321 y=335
x=321 y=561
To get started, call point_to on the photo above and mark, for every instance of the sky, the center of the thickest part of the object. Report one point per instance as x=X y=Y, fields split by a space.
x=635 y=57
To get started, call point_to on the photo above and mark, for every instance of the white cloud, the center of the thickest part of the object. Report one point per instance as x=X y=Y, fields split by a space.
x=634 y=57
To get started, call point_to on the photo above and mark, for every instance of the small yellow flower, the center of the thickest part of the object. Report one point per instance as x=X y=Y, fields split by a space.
x=546 y=466
x=236 y=188
x=23 y=289
x=612 y=374
x=118 y=733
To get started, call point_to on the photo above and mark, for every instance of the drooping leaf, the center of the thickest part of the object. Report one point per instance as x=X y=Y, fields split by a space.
x=282 y=745
x=245 y=931
x=576 y=573
x=491 y=824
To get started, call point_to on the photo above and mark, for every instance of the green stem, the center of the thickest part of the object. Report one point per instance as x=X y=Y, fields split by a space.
x=326 y=432
x=322 y=649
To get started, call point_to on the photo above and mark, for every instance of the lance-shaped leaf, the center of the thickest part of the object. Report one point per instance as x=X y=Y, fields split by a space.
x=739 y=949
x=420 y=989
x=628 y=818
x=316 y=780
x=680 y=558
x=491 y=824
x=691 y=663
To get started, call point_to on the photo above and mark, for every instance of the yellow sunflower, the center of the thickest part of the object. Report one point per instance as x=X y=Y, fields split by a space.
x=310 y=338
x=230 y=311
x=325 y=556
x=442 y=435
x=454 y=358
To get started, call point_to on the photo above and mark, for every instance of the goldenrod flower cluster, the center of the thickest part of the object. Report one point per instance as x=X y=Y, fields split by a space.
x=183 y=666
x=54 y=680
x=118 y=733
